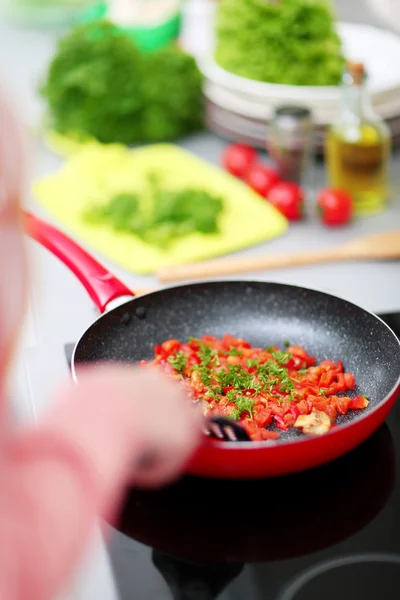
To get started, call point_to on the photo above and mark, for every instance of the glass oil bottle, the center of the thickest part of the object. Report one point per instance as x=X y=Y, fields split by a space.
x=358 y=146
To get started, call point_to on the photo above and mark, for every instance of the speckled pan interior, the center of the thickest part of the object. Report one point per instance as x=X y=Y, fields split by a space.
x=262 y=313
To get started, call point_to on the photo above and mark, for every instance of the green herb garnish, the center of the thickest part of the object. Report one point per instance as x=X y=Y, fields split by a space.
x=242 y=404
x=235 y=376
x=235 y=352
x=281 y=357
x=252 y=362
x=178 y=361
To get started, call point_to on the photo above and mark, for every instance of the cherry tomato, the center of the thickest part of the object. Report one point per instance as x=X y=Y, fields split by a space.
x=237 y=159
x=335 y=206
x=288 y=198
x=262 y=178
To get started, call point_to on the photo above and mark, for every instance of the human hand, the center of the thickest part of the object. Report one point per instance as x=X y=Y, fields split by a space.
x=136 y=423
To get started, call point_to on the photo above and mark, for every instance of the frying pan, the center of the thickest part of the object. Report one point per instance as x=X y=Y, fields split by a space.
x=264 y=314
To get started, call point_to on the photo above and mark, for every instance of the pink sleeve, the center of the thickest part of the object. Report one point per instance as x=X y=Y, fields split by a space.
x=54 y=480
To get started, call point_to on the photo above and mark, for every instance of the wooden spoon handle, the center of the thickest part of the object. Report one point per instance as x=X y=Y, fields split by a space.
x=204 y=270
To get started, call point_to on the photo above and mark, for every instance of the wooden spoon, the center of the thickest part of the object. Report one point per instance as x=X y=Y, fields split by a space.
x=379 y=246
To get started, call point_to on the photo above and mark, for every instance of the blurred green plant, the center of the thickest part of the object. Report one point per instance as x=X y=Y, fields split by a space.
x=100 y=85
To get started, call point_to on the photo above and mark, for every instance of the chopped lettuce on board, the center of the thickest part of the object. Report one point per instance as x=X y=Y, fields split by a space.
x=291 y=42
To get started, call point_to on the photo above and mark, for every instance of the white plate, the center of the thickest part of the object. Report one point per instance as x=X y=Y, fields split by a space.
x=370 y=45
x=254 y=109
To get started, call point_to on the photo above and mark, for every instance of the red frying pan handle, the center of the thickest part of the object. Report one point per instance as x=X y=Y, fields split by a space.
x=101 y=285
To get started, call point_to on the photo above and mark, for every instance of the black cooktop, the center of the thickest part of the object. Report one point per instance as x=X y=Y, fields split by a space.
x=330 y=533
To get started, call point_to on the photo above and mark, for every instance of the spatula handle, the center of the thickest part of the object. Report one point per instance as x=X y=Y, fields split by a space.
x=232 y=266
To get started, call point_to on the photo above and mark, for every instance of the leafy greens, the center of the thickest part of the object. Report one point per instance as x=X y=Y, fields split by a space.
x=159 y=216
x=290 y=42
x=99 y=84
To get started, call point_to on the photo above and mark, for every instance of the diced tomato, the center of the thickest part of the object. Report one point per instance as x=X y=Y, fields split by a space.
x=326 y=379
x=294 y=409
x=331 y=412
x=302 y=407
x=342 y=404
x=280 y=422
x=229 y=341
x=264 y=356
x=243 y=343
x=209 y=339
x=340 y=382
x=277 y=395
x=234 y=360
x=170 y=346
x=228 y=389
x=358 y=403
x=291 y=364
x=193 y=360
x=299 y=363
x=349 y=381
x=301 y=353
x=269 y=435
x=328 y=364
x=263 y=418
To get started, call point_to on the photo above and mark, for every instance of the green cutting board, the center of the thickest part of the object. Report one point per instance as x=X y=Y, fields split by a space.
x=98 y=172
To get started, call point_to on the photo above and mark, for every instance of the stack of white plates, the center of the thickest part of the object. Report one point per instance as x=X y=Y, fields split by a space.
x=238 y=107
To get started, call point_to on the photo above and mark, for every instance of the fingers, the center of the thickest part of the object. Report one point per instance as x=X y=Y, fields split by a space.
x=136 y=425
x=173 y=430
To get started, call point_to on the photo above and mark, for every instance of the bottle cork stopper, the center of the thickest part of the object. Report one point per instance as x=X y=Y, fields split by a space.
x=357 y=71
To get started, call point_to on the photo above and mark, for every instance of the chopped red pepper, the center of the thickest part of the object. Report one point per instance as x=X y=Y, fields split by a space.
x=257 y=387
x=359 y=403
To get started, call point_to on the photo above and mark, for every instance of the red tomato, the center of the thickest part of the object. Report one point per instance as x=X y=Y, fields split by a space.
x=331 y=412
x=262 y=178
x=288 y=198
x=170 y=345
x=269 y=435
x=349 y=380
x=335 y=206
x=359 y=403
x=326 y=379
x=341 y=383
x=263 y=418
x=342 y=405
x=237 y=159
x=299 y=352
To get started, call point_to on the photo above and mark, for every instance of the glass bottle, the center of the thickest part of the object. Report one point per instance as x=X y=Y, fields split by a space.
x=290 y=141
x=358 y=146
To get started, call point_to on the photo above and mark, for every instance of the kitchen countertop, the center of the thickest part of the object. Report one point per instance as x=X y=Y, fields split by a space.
x=59 y=308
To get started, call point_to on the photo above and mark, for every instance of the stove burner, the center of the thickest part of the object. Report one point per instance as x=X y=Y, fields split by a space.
x=366 y=576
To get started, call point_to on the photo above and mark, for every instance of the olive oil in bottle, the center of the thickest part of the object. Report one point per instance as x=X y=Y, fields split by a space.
x=358 y=146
